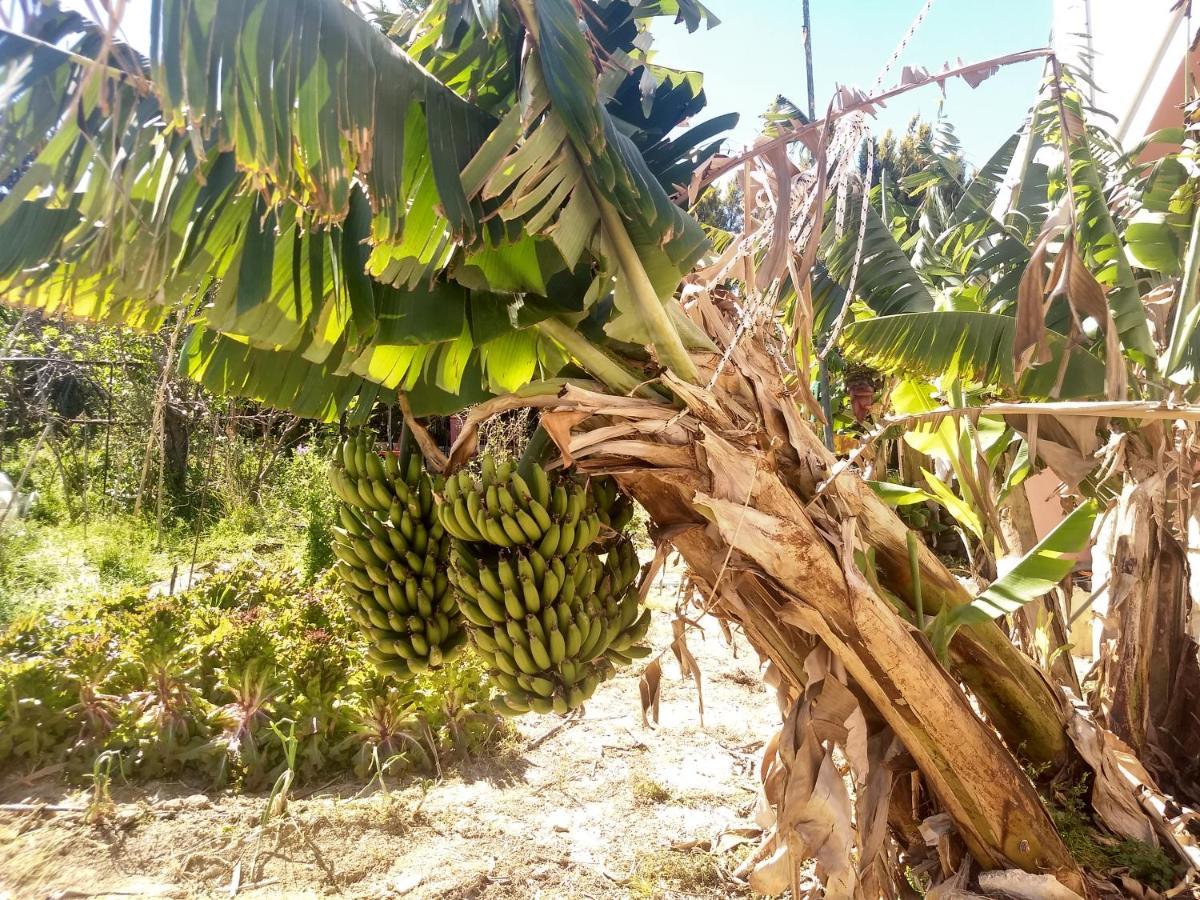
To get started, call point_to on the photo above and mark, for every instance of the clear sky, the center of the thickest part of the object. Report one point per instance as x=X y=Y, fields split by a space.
x=756 y=53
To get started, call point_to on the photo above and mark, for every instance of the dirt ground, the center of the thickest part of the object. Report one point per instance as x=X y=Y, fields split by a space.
x=593 y=807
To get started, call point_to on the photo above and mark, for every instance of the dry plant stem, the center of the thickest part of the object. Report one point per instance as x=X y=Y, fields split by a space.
x=1012 y=692
x=160 y=402
x=1148 y=681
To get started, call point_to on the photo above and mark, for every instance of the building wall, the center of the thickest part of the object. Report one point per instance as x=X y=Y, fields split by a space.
x=1134 y=51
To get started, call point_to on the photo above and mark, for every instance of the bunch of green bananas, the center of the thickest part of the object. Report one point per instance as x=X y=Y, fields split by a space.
x=552 y=612
x=392 y=555
x=506 y=511
x=613 y=508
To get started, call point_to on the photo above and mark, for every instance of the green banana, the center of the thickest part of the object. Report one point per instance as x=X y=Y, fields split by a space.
x=525 y=662
x=512 y=606
x=505 y=663
x=484 y=639
x=539 y=654
x=548 y=546
x=533 y=600
x=540 y=486
x=557 y=646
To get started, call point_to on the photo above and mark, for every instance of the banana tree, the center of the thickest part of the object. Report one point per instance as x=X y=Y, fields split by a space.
x=474 y=208
x=1090 y=299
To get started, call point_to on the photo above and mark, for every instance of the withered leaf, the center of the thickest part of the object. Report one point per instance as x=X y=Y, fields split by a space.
x=1083 y=290
x=435 y=459
x=774 y=264
x=1030 y=332
x=688 y=666
x=558 y=425
x=649 y=686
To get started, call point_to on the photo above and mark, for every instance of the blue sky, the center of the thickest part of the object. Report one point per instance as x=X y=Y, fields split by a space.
x=756 y=53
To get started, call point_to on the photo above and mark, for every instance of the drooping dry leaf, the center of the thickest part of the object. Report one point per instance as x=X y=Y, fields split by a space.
x=688 y=667
x=558 y=425
x=1072 y=278
x=872 y=802
x=773 y=875
x=814 y=814
x=1125 y=795
x=1066 y=444
x=978 y=76
x=1029 y=338
x=1082 y=289
x=774 y=264
x=1116 y=378
x=649 y=687
x=913 y=75
x=435 y=459
x=850 y=100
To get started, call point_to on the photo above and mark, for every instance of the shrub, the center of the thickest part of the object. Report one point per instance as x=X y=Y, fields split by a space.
x=120 y=551
x=195 y=684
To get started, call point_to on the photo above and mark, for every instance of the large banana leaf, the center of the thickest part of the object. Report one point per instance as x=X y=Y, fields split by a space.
x=970 y=224
x=310 y=97
x=886 y=280
x=301 y=172
x=973 y=345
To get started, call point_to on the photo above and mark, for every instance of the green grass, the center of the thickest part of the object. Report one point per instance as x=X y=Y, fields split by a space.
x=44 y=565
x=47 y=561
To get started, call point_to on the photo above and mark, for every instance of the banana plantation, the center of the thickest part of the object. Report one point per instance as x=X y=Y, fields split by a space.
x=586 y=380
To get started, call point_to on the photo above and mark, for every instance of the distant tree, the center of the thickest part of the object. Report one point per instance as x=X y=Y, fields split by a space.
x=722 y=206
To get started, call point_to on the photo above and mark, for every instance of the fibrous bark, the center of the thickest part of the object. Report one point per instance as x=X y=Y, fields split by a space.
x=1149 y=685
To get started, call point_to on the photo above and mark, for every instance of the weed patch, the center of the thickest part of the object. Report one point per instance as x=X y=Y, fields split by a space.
x=663 y=871
x=1149 y=865
x=647 y=791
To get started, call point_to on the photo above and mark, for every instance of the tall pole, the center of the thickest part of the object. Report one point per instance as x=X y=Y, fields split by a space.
x=822 y=369
x=807 y=33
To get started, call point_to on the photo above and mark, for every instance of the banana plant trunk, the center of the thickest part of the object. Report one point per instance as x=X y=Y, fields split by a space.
x=1149 y=675
x=738 y=482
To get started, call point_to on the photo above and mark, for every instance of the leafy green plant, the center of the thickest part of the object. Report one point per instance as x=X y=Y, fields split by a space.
x=281 y=790
x=1148 y=864
x=193 y=684
x=100 y=803
x=1034 y=576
